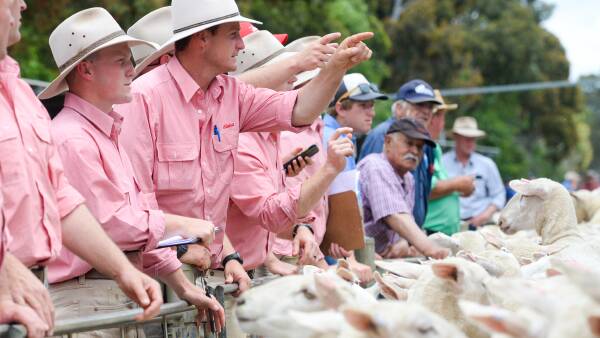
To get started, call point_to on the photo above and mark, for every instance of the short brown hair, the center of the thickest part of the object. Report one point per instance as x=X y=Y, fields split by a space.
x=181 y=45
x=346 y=105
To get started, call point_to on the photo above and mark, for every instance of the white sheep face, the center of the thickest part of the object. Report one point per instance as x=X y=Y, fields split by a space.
x=524 y=209
x=263 y=309
x=390 y=319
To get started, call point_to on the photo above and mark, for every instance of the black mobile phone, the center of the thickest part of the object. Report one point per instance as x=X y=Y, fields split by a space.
x=309 y=152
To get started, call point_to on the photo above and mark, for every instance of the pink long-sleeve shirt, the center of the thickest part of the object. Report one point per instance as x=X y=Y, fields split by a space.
x=260 y=206
x=182 y=140
x=96 y=165
x=287 y=142
x=2 y=233
x=36 y=192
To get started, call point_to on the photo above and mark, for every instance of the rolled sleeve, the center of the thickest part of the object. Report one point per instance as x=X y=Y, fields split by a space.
x=267 y=110
x=67 y=197
x=156 y=226
x=160 y=262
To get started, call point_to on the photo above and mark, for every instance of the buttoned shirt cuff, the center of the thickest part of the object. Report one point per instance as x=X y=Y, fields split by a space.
x=291 y=207
x=68 y=199
x=160 y=262
x=156 y=228
x=284 y=115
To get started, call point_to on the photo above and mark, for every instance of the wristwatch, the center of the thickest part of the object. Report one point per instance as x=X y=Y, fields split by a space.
x=181 y=250
x=297 y=226
x=233 y=256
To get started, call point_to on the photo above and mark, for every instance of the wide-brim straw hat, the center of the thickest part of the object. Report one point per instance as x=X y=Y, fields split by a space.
x=155 y=27
x=78 y=37
x=444 y=106
x=193 y=16
x=467 y=126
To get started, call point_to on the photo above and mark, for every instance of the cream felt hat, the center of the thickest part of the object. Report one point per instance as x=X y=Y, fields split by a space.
x=193 y=16
x=444 y=106
x=155 y=27
x=467 y=126
x=79 y=36
x=263 y=48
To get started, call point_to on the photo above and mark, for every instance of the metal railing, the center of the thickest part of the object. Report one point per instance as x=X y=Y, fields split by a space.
x=124 y=320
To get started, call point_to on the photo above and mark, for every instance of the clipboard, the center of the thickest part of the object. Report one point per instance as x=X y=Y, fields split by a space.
x=344 y=222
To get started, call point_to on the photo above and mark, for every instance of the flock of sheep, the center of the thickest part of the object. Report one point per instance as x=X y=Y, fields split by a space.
x=535 y=275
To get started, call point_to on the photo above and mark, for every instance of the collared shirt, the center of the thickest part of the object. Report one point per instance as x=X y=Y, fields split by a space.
x=443 y=214
x=488 y=183
x=260 y=205
x=331 y=124
x=384 y=193
x=182 y=141
x=422 y=174
x=2 y=233
x=36 y=193
x=96 y=165
x=287 y=142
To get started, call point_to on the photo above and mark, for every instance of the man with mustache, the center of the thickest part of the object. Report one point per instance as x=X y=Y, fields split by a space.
x=387 y=192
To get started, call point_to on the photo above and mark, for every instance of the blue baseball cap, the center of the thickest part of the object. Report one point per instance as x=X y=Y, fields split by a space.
x=416 y=91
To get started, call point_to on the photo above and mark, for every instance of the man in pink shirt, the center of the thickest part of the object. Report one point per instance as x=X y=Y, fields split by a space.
x=41 y=209
x=181 y=129
x=86 y=133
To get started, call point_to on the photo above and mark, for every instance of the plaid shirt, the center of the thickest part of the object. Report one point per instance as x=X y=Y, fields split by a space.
x=384 y=193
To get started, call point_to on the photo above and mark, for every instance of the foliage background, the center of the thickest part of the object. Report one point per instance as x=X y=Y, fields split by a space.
x=449 y=43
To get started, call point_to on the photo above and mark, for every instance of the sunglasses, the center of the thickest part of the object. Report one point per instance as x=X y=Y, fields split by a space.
x=361 y=89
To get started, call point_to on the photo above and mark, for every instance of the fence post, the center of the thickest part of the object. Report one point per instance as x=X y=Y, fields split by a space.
x=366 y=255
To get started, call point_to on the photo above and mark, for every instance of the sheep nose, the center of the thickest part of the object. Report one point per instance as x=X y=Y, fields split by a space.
x=241 y=302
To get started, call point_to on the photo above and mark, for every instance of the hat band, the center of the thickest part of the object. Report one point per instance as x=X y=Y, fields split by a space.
x=267 y=59
x=90 y=48
x=225 y=17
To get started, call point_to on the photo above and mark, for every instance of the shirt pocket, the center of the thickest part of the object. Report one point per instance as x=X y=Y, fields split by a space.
x=11 y=169
x=177 y=165
x=225 y=148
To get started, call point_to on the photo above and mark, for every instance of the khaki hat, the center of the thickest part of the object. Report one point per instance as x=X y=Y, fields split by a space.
x=467 y=126
x=444 y=106
x=78 y=37
x=263 y=48
x=193 y=16
x=155 y=27
x=298 y=45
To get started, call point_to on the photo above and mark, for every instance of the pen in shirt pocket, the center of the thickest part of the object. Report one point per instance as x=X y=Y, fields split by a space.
x=217 y=133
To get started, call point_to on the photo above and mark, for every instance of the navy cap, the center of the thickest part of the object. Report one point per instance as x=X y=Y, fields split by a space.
x=411 y=128
x=416 y=91
x=356 y=87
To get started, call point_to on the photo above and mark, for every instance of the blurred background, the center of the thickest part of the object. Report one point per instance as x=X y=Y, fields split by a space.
x=466 y=47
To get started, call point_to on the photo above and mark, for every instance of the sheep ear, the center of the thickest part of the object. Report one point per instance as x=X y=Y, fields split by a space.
x=492 y=239
x=325 y=290
x=346 y=275
x=495 y=319
x=594 y=322
x=360 y=320
x=530 y=188
x=445 y=270
x=388 y=290
x=342 y=263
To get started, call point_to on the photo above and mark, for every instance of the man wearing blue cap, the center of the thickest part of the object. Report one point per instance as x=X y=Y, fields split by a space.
x=415 y=99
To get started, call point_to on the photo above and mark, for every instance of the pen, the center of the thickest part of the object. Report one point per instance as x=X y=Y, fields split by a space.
x=217 y=133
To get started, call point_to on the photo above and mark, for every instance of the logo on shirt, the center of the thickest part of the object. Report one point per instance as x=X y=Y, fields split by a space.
x=228 y=125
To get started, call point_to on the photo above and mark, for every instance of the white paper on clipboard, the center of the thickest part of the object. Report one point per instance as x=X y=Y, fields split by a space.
x=345 y=181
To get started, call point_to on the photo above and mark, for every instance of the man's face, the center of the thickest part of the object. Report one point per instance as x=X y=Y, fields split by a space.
x=16 y=7
x=6 y=23
x=404 y=153
x=359 y=117
x=223 y=46
x=465 y=145
x=113 y=73
x=437 y=124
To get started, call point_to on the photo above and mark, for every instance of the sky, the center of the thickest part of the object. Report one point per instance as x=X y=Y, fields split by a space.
x=577 y=24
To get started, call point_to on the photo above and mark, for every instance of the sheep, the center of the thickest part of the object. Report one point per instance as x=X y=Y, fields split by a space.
x=389 y=319
x=264 y=310
x=440 y=287
x=401 y=268
x=498 y=263
x=587 y=205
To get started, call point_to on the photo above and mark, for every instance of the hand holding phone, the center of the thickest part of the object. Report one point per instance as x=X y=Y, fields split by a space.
x=309 y=152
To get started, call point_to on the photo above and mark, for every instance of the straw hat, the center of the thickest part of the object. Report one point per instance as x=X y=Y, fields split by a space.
x=79 y=36
x=467 y=126
x=263 y=48
x=155 y=27
x=444 y=106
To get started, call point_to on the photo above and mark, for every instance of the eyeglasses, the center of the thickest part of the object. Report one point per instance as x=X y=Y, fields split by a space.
x=363 y=88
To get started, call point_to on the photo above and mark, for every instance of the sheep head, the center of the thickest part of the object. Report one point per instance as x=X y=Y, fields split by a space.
x=468 y=278
x=540 y=204
x=397 y=319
